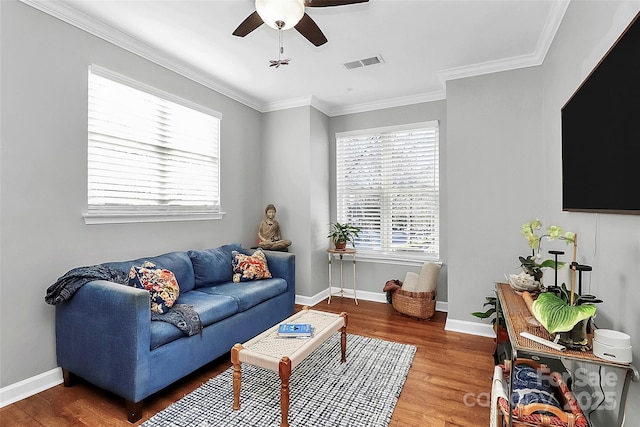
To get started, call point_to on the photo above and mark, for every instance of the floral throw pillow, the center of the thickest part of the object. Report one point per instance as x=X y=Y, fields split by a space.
x=249 y=267
x=161 y=284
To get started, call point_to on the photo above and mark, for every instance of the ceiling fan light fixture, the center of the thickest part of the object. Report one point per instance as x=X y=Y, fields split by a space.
x=274 y=12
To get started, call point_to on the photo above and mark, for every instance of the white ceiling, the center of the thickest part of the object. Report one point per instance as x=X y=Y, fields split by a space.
x=423 y=44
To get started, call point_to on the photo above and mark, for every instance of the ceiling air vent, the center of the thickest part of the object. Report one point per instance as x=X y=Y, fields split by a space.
x=364 y=62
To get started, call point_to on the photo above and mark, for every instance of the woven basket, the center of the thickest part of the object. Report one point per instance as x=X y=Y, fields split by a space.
x=538 y=414
x=421 y=305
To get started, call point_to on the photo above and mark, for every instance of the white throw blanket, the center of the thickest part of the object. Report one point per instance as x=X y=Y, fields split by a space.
x=497 y=391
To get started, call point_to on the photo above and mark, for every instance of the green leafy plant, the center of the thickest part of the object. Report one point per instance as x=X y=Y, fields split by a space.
x=557 y=315
x=570 y=321
x=533 y=268
x=498 y=325
x=343 y=233
x=490 y=302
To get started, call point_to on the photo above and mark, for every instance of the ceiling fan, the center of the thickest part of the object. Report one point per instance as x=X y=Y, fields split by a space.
x=286 y=14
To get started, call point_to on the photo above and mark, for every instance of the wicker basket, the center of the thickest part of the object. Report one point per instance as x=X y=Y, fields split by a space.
x=421 y=305
x=537 y=414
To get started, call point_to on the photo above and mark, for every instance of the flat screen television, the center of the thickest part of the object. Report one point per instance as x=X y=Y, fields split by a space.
x=601 y=133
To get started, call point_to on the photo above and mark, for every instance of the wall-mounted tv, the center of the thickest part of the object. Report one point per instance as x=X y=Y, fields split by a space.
x=601 y=133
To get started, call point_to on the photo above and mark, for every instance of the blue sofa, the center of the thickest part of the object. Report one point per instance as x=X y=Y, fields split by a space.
x=105 y=335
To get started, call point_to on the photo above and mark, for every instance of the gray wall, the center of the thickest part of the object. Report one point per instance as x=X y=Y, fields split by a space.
x=319 y=210
x=296 y=180
x=495 y=182
x=44 y=177
x=609 y=243
x=504 y=168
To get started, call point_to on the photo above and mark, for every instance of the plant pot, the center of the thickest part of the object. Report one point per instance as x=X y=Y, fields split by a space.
x=501 y=334
x=577 y=338
x=340 y=246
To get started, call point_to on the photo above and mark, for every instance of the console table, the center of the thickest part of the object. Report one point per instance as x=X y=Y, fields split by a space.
x=512 y=308
x=341 y=253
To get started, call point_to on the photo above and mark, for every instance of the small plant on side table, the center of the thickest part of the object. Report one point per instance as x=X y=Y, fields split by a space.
x=340 y=234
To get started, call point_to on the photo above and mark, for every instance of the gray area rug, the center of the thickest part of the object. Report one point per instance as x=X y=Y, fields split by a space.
x=361 y=392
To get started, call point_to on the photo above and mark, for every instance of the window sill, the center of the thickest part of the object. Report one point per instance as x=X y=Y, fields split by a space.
x=113 y=218
x=396 y=259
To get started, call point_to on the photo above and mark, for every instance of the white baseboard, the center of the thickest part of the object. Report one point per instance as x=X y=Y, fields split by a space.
x=30 y=386
x=442 y=306
x=361 y=295
x=472 y=328
x=348 y=293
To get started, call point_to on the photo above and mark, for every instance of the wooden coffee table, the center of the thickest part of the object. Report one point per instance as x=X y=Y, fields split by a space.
x=269 y=351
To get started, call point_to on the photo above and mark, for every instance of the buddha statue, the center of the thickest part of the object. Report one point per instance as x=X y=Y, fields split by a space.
x=269 y=232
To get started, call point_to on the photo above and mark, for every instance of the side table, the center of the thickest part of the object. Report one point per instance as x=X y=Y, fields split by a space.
x=341 y=253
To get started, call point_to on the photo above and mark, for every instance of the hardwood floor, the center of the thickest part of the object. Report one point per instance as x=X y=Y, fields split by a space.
x=448 y=384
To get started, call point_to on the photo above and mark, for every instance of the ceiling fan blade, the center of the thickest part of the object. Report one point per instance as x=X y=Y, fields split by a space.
x=252 y=22
x=310 y=30
x=325 y=3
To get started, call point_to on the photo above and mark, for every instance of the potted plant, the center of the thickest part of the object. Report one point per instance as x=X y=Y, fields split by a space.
x=340 y=234
x=565 y=314
x=573 y=324
x=498 y=327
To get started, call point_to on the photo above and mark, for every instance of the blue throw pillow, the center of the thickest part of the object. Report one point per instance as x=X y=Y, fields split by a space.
x=211 y=266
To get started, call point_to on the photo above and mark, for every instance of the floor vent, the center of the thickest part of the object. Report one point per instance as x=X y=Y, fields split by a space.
x=364 y=62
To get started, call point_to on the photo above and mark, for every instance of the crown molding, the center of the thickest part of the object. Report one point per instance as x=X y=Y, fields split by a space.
x=490 y=67
x=388 y=103
x=320 y=105
x=68 y=14
x=302 y=101
x=554 y=19
x=323 y=107
x=72 y=16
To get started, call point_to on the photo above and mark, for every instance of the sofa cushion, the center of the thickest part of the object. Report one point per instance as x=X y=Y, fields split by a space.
x=249 y=294
x=210 y=308
x=250 y=267
x=177 y=262
x=160 y=282
x=211 y=266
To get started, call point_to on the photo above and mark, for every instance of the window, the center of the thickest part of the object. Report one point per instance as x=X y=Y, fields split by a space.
x=151 y=155
x=387 y=183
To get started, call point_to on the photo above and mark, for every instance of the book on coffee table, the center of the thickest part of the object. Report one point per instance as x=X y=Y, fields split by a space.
x=295 y=330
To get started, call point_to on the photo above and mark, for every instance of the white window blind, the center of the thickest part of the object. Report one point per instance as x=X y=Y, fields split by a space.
x=149 y=152
x=388 y=184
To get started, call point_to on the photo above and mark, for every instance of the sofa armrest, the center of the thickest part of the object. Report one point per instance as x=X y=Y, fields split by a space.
x=283 y=265
x=103 y=334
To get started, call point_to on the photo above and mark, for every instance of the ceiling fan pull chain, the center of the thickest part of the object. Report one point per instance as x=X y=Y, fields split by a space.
x=281 y=47
x=280 y=61
x=277 y=63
